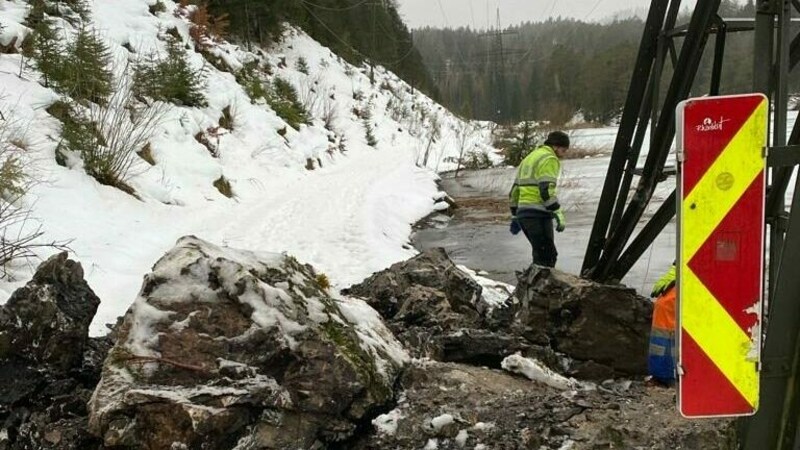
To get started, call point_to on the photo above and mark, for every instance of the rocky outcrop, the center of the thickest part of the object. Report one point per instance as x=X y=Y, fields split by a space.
x=603 y=328
x=452 y=406
x=227 y=348
x=48 y=364
x=439 y=311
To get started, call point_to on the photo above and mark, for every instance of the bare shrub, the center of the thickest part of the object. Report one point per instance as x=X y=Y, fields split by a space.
x=329 y=112
x=231 y=117
x=302 y=66
x=311 y=95
x=435 y=133
x=108 y=137
x=465 y=133
x=582 y=150
x=476 y=160
x=20 y=234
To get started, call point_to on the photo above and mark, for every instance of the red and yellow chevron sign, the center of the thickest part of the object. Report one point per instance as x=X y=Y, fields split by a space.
x=721 y=253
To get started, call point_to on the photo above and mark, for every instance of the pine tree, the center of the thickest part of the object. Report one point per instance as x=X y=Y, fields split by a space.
x=170 y=79
x=45 y=50
x=86 y=69
x=366 y=119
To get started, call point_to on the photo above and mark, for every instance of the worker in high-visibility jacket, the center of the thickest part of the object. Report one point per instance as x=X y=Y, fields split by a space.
x=661 y=357
x=533 y=199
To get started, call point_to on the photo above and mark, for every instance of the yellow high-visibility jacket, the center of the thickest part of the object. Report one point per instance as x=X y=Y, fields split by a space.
x=534 y=190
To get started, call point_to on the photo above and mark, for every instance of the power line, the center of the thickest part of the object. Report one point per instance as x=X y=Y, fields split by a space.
x=328 y=8
x=472 y=13
x=592 y=10
x=552 y=8
x=331 y=31
x=444 y=16
x=355 y=50
x=574 y=30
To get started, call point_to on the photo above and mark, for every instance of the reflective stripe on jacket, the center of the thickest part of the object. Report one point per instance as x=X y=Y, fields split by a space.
x=535 y=185
x=661 y=357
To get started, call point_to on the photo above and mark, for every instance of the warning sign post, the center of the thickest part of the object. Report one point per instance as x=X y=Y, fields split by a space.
x=721 y=185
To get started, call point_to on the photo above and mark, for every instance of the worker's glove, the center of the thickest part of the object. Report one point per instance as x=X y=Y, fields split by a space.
x=561 y=222
x=515 y=228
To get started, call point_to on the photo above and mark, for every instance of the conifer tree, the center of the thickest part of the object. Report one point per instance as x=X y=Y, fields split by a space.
x=86 y=68
x=45 y=50
x=170 y=79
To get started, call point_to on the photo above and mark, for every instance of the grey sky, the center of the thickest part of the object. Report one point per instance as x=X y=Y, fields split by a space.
x=473 y=13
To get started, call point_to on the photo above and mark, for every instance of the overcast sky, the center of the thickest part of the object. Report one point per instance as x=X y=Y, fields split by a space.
x=473 y=13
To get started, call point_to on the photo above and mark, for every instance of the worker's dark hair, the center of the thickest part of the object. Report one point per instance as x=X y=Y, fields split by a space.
x=557 y=139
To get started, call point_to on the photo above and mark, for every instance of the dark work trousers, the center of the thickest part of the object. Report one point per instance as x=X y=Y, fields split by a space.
x=539 y=231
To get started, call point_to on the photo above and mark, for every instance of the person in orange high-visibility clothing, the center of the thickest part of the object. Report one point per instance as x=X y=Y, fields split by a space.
x=661 y=357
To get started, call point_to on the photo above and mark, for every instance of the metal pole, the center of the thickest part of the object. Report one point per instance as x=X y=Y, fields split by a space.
x=781 y=178
x=685 y=71
x=719 y=54
x=651 y=106
x=780 y=103
x=775 y=424
x=635 y=150
x=636 y=91
x=781 y=100
x=645 y=238
x=763 y=47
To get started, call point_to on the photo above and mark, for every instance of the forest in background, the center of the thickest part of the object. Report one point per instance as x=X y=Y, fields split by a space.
x=551 y=70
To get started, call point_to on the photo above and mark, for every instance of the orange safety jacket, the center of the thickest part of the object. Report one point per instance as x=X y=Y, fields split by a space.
x=662 y=353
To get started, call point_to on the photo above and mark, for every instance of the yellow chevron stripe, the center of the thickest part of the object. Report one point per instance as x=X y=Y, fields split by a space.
x=723 y=183
x=719 y=336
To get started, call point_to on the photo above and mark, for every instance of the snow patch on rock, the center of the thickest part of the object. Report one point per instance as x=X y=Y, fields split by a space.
x=387 y=423
x=536 y=371
x=442 y=421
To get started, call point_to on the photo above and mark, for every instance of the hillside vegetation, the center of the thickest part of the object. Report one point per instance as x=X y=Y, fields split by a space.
x=358 y=30
x=127 y=124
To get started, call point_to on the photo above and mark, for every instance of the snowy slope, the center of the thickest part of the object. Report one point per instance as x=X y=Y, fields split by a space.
x=349 y=217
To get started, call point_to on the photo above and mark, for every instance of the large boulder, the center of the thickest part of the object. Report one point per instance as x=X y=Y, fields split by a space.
x=226 y=348
x=442 y=312
x=603 y=328
x=47 y=321
x=427 y=290
x=48 y=363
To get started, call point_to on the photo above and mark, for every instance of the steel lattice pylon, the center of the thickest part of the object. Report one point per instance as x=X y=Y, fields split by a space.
x=613 y=249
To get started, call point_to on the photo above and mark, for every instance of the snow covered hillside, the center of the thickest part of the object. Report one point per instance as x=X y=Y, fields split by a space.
x=340 y=193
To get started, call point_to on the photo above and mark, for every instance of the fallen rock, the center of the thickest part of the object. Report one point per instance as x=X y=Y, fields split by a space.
x=440 y=311
x=457 y=406
x=427 y=289
x=603 y=328
x=227 y=348
x=47 y=321
x=46 y=370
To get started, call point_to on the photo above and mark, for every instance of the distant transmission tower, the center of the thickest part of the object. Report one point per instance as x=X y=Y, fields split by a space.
x=496 y=59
